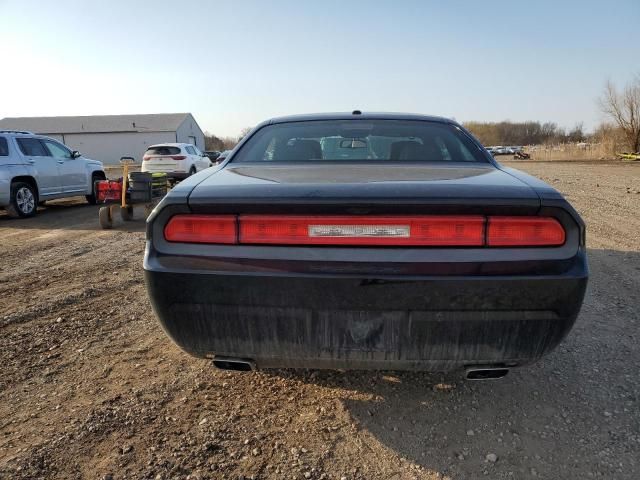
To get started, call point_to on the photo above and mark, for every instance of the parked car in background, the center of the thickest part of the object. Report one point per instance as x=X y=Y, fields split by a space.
x=35 y=168
x=213 y=155
x=423 y=253
x=177 y=160
x=223 y=155
x=499 y=150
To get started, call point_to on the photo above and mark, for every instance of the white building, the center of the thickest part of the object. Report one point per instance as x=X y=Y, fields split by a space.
x=109 y=137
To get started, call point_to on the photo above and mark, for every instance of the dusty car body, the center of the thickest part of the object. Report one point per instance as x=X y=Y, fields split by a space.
x=425 y=257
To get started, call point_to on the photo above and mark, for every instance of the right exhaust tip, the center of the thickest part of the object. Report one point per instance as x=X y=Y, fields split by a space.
x=486 y=373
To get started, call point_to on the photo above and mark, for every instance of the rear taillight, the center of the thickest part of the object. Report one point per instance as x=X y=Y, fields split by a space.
x=178 y=157
x=145 y=158
x=339 y=230
x=524 y=232
x=202 y=229
x=435 y=230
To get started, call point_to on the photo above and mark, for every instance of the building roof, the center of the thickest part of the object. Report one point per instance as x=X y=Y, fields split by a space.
x=156 y=122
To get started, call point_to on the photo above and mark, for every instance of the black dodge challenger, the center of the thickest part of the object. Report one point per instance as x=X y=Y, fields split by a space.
x=362 y=240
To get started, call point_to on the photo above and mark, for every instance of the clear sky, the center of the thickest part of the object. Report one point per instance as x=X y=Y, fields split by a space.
x=235 y=63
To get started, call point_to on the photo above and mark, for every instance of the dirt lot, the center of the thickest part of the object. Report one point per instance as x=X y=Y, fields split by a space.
x=90 y=387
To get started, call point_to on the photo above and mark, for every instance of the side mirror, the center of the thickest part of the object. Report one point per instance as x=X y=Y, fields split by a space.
x=75 y=154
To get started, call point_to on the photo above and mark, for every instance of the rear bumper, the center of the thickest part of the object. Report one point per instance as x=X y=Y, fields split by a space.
x=165 y=169
x=349 y=321
x=172 y=175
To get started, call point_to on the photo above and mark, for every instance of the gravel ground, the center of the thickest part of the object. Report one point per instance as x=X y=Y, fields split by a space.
x=90 y=387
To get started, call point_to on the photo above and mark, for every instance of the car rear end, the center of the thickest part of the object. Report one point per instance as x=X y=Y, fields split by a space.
x=212 y=155
x=170 y=159
x=423 y=267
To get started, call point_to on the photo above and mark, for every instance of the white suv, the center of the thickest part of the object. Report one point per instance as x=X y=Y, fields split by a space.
x=177 y=160
x=34 y=168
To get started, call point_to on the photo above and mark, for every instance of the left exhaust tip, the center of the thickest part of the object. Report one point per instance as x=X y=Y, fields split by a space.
x=486 y=373
x=236 y=364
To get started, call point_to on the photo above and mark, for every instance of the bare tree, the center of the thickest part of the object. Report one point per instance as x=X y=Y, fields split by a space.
x=624 y=108
x=229 y=142
x=244 y=132
x=577 y=133
x=523 y=133
x=211 y=142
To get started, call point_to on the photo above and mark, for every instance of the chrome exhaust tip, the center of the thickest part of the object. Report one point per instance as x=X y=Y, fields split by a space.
x=485 y=373
x=236 y=364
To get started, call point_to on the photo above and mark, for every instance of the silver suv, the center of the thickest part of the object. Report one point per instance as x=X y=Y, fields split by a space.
x=34 y=168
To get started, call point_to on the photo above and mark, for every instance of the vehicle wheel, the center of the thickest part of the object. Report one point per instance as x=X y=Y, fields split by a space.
x=94 y=178
x=126 y=213
x=24 y=200
x=104 y=215
x=192 y=170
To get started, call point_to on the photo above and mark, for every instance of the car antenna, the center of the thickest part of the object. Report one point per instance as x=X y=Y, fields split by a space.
x=356 y=112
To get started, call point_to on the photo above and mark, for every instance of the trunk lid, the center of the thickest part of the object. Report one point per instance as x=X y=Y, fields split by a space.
x=362 y=188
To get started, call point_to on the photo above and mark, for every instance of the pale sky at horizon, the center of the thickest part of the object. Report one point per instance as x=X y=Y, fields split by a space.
x=234 y=64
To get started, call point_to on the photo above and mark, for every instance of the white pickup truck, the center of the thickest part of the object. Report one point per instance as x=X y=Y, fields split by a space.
x=35 y=168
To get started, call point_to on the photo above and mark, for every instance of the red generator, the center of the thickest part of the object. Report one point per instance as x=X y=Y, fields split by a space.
x=109 y=191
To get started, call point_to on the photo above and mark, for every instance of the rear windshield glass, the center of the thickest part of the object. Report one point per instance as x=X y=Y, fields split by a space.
x=4 y=148
x=163 y=150
x=360 y=140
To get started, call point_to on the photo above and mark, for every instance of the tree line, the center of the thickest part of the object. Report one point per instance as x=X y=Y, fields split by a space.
x=215 y=143
x=212 y=143
x=621 y=132
x=524 y=133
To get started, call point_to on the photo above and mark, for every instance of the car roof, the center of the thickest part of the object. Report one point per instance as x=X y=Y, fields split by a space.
x=360 y=116
x=21 y=134
x=15 y=132
x=169 y=145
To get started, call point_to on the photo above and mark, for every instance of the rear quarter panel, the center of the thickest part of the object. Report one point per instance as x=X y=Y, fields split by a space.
x=550 y=198
x=9 y=171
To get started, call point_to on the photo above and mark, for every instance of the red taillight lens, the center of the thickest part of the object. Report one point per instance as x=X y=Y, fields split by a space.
x=524 y=232
x=446 y=231
x=145 y=158
x=178 y=157
x=202 y=229
x=339 y=230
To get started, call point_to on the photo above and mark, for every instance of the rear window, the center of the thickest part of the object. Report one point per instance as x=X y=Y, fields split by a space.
x=32 y=147
x=163 y=151
x=4 y=148
x=360 y=140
